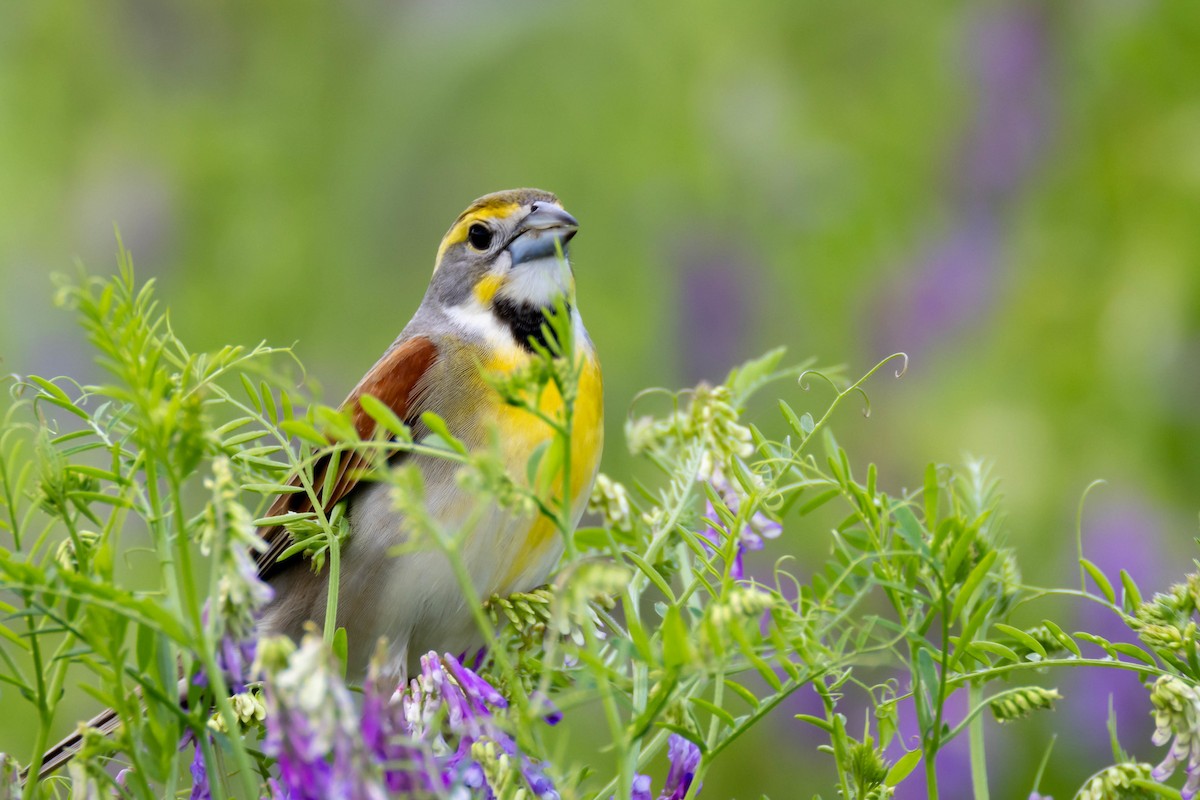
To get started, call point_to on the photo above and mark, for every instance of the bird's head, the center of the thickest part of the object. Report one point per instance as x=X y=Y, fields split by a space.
x=506 y=247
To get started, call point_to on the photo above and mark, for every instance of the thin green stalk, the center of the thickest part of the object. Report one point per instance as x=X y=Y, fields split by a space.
x=979 y=781
x=335 y=584
x=838 y=735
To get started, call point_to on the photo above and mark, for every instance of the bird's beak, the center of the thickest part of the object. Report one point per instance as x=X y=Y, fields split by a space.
x=542 y=233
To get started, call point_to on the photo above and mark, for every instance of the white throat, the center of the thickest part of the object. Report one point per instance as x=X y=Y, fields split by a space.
x=540 y=282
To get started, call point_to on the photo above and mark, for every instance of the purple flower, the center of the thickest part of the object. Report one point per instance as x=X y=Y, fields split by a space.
x=552 y=715
x=439 y=735
x=425 y=734
x=684 y=757
x=313 y=730
x=200 y=787
x=750 y=537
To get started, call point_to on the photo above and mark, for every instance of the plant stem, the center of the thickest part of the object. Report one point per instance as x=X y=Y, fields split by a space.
x=335 y=584
x=979 y=781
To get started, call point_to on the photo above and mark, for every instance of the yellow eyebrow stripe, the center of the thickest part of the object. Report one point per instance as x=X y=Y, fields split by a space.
x=478 y=213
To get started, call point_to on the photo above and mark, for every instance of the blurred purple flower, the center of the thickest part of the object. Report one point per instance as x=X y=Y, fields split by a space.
x=750 y=537
x=235 y=658
x=200 y=788
x=1009 y=49
x=951 y=284
x=684 y=757
x=641 y=788
x=552 y=716
x=716 y=283
x=1120 y=532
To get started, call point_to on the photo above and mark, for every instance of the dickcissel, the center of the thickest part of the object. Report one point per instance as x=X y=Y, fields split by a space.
x=499 y=269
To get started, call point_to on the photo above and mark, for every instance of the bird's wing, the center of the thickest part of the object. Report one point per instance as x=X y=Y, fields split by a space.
x=106 y=722
x=392 y=381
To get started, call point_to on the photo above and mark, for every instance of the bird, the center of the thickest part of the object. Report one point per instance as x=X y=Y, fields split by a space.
x=498 y=272
x=500 y=269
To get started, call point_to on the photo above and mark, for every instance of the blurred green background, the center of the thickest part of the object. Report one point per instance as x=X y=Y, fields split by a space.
x=1009 y=192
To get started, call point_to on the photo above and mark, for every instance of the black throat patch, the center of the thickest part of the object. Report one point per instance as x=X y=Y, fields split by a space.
x=525 y=320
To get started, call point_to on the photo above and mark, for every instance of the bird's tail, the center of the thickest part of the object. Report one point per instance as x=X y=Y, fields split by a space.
x=105 y=722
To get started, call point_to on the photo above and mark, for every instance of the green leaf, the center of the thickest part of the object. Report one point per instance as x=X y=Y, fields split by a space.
x=268 y=398
x=715 y=710
x=746 y=379
x=928 y=680
x=794 y=421
x=910 y=529
x=971 y=585
x=651 y=573
x=818 y=501
x=677 y=648
x=931 y=496
x=640 y=639
x=1131 y=598
x=437 y=426
x=1027 y=641
x=1099 y=641
x=284 y=519
x=743 y=692
x=243 y=438
x=1062 y=637
x=341 y=648
x=995 y=649
x=335 y=423
x=252 y=393
x=147 y=645
x=55 y=395
x=903 y=766
x=10 y=635
x=273 y=488
x=384 y=416
x=962 y=546
x=304 y=431
x=1101 y=581
x=972 y=627
x=1133 y=651
x=818 y=722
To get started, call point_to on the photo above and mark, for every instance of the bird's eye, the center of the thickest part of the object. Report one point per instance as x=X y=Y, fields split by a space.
x=480 y=236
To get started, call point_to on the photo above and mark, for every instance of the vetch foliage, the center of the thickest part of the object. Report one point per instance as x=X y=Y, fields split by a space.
x=126 y=561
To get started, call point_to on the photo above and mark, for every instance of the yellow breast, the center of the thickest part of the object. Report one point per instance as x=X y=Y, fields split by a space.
x=522 y=433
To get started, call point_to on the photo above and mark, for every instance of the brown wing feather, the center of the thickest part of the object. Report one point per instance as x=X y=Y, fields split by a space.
x=392 y=381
